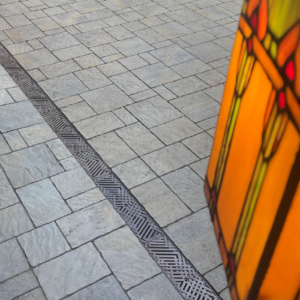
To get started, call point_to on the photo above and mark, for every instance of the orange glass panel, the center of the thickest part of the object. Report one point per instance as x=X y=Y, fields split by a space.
x=244 y=150
x=288 y=45
x=283 y=277
x=246 y=29
x=297 y=72
x=262 y=19
x=269 y=109
x=252 y=4
x=266 y=208
x=293 y=105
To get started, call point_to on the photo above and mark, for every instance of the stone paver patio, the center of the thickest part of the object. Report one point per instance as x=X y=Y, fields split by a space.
x=142 y=81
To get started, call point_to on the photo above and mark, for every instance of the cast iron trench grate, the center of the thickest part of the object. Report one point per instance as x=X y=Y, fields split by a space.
x=185 y=278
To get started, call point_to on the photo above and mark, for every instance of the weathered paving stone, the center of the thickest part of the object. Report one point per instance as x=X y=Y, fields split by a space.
x=139 y=138
x=143 y=95
x=215 y=13
x=36 y=59
x=7 y=194
x=94 y=38
x=60 y=68
x=89 y=223
x=88 y=61
x=36 y=294
x=197 y=106
x=19 y=48
x=134 y=26
x=17 y=94
x=112 y=149
x=4 y=25
x=217 y=278
x=37 y=134
x=216 y=92
x=85 y=199
x=156 y=74
x=108 y=288
x=87 y=6
x=71 y=52
x=212 y=77
x=188 y=187
x=172 y=30
x=126 y=257
x=43 y=202
x=114 y=20
x=134 y=172
x=132 y=46
x=78 y=111
x=99 y=14
x=150 y=36
x=12 y=260
x=125 y=116
x=18 y=285
x=112 y=68
x=6 y=82
x=4 y=148
x=119 y=32
x=68 y=101
x=200 y=144
x=154 y=111
x=58 y=148
x=24 y=33
x=156 y=288
x=5 y=98
x=69 y=163
x=160 y=202
x=30 y=165
x=150 y=9
x=225 y=295
x=92 y=78
x=73 y=182
x=70 y=18
x=63 y=86
x=104 y=50
x=45 y=24
x=198 y=243
x=133 y=62
x=184 y=15
x=200 y=167
x=165 y=93
x=208 y=123
x=59 y=41
x=43 y=243
x=176 y=130
x=70 y=272
x=169 y=158
x=208 y=52
x=198 y=38
x=12 y=9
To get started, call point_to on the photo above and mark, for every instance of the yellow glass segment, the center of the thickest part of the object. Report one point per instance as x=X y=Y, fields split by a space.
x=273 y=50
x=267 y=41
x=243 y=152
x=266 y=208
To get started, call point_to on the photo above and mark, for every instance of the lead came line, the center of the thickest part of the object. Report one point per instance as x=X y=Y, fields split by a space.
x=182 y=274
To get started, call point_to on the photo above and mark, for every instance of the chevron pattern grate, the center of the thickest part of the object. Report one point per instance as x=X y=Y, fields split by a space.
x=177 y=268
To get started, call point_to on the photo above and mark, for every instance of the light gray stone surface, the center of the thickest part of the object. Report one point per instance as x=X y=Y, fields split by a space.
x=15 y=140
x=5 y=98
x=200 y=167
x=172 y=30
x=43 y=243
x=108 y=288
x=125 y=116
x=92 y=78
x=59 y=41
x=78 y=111
x=225 y=295
x=73 y=182
x=89 y=223
x=59 y=150
x=17 y=94
x=191 y=67
x=24 y=33
x=157 y=288
x=126 y=257
x=43 y=202
x=195 y=236
x=36 y=294
x=12 y=260
x=18 y=285
x=60 y=68
x=161 y=203
x=4 y=148
x=217 y=277
x=30 y=165
x=70 y=272
x=169 y=158
x=7 y=194
x=27 y=115
x=69 y=163
x=132 y=46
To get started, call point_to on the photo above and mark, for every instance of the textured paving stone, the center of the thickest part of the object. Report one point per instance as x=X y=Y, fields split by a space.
x=125 y=116
x=133 y=62
x=7 y=194
x=45 y=24
x=60 y=68
x=88 y=61
x=108 y=288
x=73 y=182
x=150 y=9
x=36 y=59
x=18 y=285
x=212 y=77
x=172 y=55
x=98 y=125
x=188 y=187
x=114 y=20
x=24 y=33
x=200 y=144
x=29 y=165
x=15 y=140
x=5 y=98
x=200 y=167
x=139 y=138
x=225 y=295
x=208 y=51
x=12 y=260
x=17 y=94
x=215 y=13
x=4 y=148
x=4 y=25
x=119 y=32
x=132 y=46
x=197 y=106
x=169 y=158
x=78 y=111
x=71 y=272
x=155 y=75
x=134 y=172
x=126 y=257
x=12 y=9
x=37 y=134
x=172 y=30
x=89 y=223
x=93 y=78
x=19 y=48
x=69 y=163
x=36 y=294
x=129 y=83
x=198 y=38
x=225 y=42
x=160 y=202
x=157 y=288
x=63 y=86
x=99 y=14
x=43 y=243
x=154 y=111
x=186 y=86
x=87 y=6
x=68 y=101
x=165 y=93
x=134 y=26
x=112 y=149
x=216 y=92
x=143 y=95
x=43 y=202
x=27 y=115
x=59 y=150
x=106 y=99
x=6 y=82
x=104 y=50
x=185 y=15
x=70 y=18
x=208 y=123
x=176 y=130
x=150 y=36
x=198 y=243
x=85 y=199
x=71 y=52
x=89 y=26
x=94 y=38
x=217 y=278
x=59 y=41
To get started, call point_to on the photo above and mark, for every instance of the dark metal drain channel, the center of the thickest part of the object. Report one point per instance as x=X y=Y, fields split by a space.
x=168 y=257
